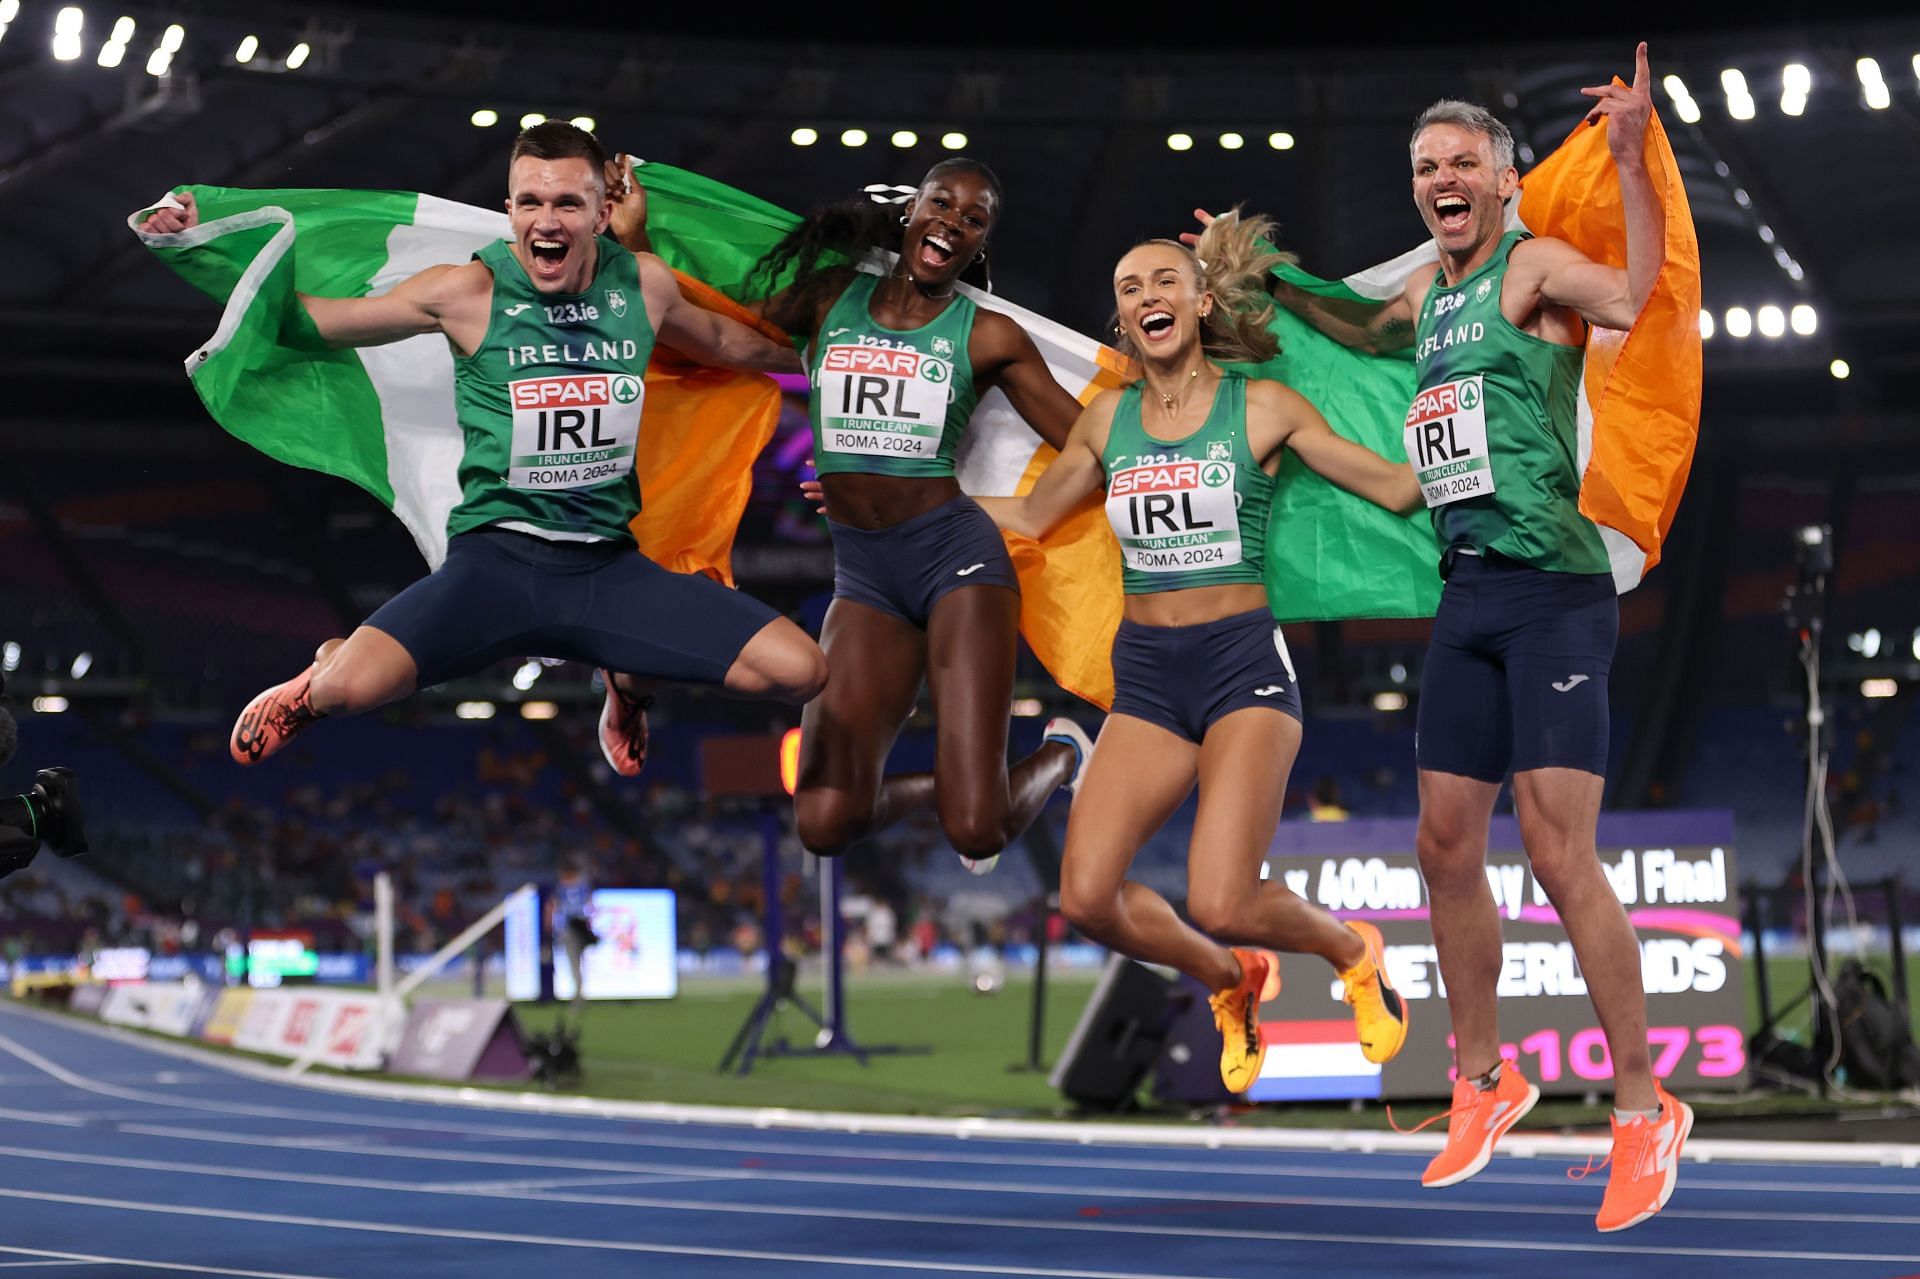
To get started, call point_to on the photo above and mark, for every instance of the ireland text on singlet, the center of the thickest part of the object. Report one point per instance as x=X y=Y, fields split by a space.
x=550 y=402
x=890 y=401
x=1492 y=434
x=1189 y=512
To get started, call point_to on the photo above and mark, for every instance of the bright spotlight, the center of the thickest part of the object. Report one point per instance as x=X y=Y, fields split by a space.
x=1280 y=141
x=1803 y=320
x=585 y=122
x=853 y=138
x=159 y=62
x=524 y=677
x=1179 y=142
x=1739 y=322
x=804 y=137
x=531 y=118
x=484 y=118
x=1771 y=320
x=1879 y=688
x=67 y=25
x=1706 y=323
x=49 y=705
x=905 y=139
x=10 y=9
x=82 y=663
x=955 y=141
x=1231 y=141
x=1872 y=87
x=1870 y=642
x=539 y=710
x=173 y=37
x=474 y=710
x=249 y=46
x=298 y=58
x=1796 y=79
x=111 y=54
x=10 y=656
x=1841 y=370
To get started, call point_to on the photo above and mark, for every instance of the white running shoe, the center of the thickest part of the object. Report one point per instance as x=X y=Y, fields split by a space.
x=1062 y=729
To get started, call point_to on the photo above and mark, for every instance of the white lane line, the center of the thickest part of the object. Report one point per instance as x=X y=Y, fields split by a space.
x=1065 y=1188
x=1372 y=1241
x=565 y=1183
x=1307 y=1141
x=1101 y=1222
x=83 y=1258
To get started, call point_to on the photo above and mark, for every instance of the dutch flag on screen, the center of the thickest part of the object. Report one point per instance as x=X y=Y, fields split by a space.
x=1313 y=1061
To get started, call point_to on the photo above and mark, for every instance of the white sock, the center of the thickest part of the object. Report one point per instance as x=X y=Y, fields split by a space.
x=1628 y=1116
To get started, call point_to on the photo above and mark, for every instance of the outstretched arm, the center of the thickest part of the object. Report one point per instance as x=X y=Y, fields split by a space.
x=1604 y=295
x=704 y=336
x=1067 y=480
x=1297 y=424
x=1019 y=369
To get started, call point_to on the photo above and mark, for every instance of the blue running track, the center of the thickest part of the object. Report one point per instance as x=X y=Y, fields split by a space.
x=117 y=1159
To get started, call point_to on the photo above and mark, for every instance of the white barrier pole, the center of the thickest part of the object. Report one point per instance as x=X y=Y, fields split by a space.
x=480 y=928
x=383 y=933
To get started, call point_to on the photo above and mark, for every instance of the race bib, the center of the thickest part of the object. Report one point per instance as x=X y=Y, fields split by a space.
x=574 y=430
x=881 y=401
x=1173 y=517
x=1446 y=438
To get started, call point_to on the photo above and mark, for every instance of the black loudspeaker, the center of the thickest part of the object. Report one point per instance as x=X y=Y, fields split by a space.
x=1119 y=1037
x=1188 y=1071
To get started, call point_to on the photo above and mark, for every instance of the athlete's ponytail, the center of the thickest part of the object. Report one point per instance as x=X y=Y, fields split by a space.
x=1236 y=258
x=821 y=252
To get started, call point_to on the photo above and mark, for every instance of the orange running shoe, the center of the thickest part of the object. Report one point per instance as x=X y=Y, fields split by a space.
x=1478 y=1118
x=1646 y=1162
x=623 y=729
x=272 y=718
x=1379 y=1014
x=1236 y=1011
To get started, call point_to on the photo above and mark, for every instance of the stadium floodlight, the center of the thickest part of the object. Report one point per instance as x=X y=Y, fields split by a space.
x=1872 y=87
x=1916 y=643
x=1029 y=707
x=1739 y=100
x=1916 y=57
x=1879 y=688
x=954 y=141
x=475 y=710
x=905 y=139
x=111 y=54
x=10 y=656
x=523 y=679
x=67 y=26
x=159 y=62
x=853 y=137
x=1766 y=234
x=1683 y=104
x=1741 y=198
x=1870 y=642
x=1706 y=323
x=10 y=9
x=1397 y=672
x=173 y=37
x=531 y=118
x=804 y=137
x=1840 y=369
x=1803 y=320
x=298 y=58
x=1771 y=320
x=484 y=118
x=1281 y=141
x=1794 y=271
x=1795 y=83
x=1739 y=322
x=1179 y=142
x=82 y=663
x=1389 y=701
x=539 y=710
x=1231 y=141
x=249 y=46
x=584 y=122
x=49 y=705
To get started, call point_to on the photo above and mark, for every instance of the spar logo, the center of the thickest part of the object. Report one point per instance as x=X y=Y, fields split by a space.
x=883 y=361
x=1438 y=401
x=1169 y=478
x=1214 y=475
x=581 y=391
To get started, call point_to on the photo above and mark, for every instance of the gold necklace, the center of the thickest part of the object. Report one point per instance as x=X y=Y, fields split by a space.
x=1166 y=400
x=923 y=292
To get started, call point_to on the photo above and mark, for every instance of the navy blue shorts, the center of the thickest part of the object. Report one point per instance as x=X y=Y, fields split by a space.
x=506 y=594
x=1516 y=674
x=904 y=570
x=1183 y=678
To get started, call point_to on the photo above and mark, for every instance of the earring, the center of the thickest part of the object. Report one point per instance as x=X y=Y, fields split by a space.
x=980 y=257
x=903 y=219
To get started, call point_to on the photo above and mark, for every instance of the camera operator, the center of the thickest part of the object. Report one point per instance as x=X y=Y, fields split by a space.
x=49 y=813
x=572 y=924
